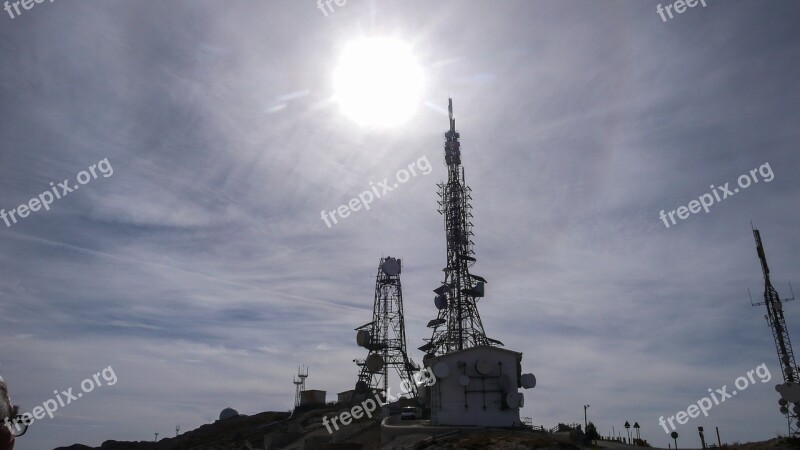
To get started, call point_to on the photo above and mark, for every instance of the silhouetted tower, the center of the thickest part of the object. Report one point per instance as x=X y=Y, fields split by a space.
x=458 y=325
x=302 y=373
x=774 y=305
x=385 y=336
x=297 y=390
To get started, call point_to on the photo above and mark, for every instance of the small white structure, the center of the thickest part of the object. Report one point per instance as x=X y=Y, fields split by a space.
x=478 y=387
x=312 y=397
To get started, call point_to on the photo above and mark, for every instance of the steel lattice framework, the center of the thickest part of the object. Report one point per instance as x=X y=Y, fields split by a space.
x=774 y=316
x=387 y=339
x=458 y=324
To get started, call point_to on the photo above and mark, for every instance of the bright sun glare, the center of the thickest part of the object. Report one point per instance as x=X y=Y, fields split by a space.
x=378 y=82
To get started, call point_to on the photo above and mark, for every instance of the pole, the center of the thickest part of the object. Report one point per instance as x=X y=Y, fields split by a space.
x=719 y=444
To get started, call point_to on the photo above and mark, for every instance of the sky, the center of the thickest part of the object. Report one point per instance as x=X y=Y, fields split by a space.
x=195 y=266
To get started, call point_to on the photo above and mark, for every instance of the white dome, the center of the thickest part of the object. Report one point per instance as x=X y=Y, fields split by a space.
x=227 y=413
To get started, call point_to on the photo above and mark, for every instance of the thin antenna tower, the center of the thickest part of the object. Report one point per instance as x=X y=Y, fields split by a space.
x=458 y=324
x=385 y=336
x=774 y=316
x=297 y=390
x=302 y=373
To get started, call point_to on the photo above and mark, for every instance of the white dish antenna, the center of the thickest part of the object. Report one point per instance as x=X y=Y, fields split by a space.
x=374 y=362
x=483 y=367
x=391 y=266
x=441 y=302
x=441 y=369
x=362 y=338
x=528 y=381
x=512 y=400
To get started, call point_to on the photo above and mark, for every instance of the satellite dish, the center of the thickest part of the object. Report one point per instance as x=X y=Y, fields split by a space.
x=441 y=302
x=528 y=381
x=521 y=399
x=512 y=400
x=362 y=338
x=361 y=387
x=463 y=380
x=483 y=367
x=391 y=266
x=441 y=369
x=374 y=362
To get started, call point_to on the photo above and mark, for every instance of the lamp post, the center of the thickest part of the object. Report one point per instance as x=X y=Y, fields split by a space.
x=585 y=422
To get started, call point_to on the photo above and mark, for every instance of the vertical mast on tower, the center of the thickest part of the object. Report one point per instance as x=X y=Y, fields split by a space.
x=458 y=325
x=774 y=316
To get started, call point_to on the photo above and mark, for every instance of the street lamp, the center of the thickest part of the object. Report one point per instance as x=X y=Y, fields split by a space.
x=585 y=422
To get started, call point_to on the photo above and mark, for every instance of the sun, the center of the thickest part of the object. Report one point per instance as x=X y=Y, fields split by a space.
x=378 y=82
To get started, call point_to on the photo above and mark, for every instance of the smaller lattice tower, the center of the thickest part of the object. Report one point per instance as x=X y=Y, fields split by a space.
x=385 y=336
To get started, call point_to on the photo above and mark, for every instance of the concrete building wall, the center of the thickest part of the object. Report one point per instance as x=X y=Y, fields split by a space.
x=483 y=400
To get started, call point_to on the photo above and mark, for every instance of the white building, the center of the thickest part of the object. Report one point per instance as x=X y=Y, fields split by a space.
x=478 y=386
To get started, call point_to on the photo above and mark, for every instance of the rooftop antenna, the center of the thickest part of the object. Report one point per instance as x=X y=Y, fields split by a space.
x=458 y=324
x=777 y=322
x=385 y=336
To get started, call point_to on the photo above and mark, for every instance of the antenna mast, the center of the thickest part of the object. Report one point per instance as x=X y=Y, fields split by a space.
x=458 y=324
x=789 y=369
x=385 y=336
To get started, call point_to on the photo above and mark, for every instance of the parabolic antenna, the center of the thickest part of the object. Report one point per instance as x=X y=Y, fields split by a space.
x=391 y=266
x=483 y=367
x=361 y=387
x=512 y=400
x=528 y=381
x=362 y=338
x=463 y=380
x=441 y=369
x=374 y=362
x=441 y=302
x=521 y=399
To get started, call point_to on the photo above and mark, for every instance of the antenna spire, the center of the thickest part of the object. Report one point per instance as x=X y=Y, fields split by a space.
x=777 y=321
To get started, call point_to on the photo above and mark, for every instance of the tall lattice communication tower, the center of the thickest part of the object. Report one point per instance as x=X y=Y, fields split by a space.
x=385 y=336
x=458 y=324
x=774 y=316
